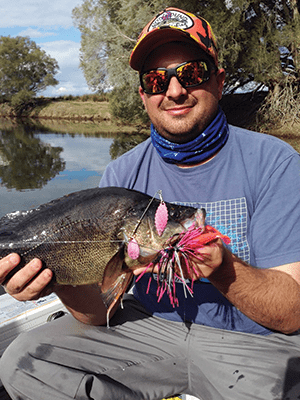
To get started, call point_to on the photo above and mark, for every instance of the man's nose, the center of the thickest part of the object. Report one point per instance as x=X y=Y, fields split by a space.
x=175 y=89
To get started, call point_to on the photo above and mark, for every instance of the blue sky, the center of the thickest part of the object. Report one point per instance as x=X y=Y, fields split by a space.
x=50 y=25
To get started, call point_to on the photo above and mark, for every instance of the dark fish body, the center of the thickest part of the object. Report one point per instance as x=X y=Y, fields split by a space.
x=83 y=237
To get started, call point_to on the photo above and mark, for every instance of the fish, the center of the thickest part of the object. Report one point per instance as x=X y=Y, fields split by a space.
x=101 y=235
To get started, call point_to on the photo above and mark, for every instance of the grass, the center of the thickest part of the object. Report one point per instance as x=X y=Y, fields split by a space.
x=87 y=107
x=72 y=110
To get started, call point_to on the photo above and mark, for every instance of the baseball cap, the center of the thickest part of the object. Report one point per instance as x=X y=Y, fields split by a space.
x=170 y=25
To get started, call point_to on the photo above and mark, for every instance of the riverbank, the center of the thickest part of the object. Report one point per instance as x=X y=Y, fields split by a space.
x=240 y=110
x=70 y=116
x=80 y=110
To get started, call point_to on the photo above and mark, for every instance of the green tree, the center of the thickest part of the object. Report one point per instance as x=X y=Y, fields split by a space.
x=252 y=36
x=25 y=70
x=277 y=63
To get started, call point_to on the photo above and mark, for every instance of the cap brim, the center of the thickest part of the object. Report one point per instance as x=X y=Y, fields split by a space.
x=154 y=39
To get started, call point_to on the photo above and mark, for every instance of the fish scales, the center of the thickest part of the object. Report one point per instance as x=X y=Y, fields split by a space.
x=79 y=235
x=100 y=235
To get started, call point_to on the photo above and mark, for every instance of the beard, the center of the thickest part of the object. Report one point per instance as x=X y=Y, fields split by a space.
x=181 y=130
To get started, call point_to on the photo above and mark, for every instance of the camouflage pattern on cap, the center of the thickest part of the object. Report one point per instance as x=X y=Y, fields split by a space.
x=171 y=25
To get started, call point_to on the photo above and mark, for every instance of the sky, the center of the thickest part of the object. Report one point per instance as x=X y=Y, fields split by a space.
x=49 y=24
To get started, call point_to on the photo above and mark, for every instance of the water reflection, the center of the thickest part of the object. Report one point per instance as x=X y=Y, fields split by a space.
x=38 y=164
x=124 y=142
x=27 y=162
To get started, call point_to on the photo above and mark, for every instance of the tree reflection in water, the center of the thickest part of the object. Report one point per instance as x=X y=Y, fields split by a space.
x=25 y=161
x=28 y=163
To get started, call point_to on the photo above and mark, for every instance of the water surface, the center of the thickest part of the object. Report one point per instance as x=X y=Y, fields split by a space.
x=37 y=165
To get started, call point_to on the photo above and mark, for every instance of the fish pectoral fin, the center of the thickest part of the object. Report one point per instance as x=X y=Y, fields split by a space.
x=111 y=295
x=115 y=282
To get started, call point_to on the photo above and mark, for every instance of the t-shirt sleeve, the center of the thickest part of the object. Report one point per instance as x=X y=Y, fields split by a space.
x=124 y=171
x=110 y=177
x=275 y=223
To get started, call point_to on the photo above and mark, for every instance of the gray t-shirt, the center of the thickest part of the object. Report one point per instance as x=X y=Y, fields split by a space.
x=251 y=193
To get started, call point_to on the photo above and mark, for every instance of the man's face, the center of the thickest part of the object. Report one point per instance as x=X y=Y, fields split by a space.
x=180 y=114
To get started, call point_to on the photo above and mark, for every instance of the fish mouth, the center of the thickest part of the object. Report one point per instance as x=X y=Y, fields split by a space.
x=197 y=220
x=145 y=252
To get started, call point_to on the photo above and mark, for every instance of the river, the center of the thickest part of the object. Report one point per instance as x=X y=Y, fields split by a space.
x=39 y=164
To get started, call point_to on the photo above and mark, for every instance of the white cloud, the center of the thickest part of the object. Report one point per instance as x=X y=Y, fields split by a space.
x=62 y=90
x=71 y=81
x=73 y=86
x=35 y=33
x=39 y=13
x=66 y=52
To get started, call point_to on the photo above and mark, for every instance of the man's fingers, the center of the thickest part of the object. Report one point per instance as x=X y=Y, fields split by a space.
x=29 y=282
x=7 y=264
x=36 y=288
x=18 y=281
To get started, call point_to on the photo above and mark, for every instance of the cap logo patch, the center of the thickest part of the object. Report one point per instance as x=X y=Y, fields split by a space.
x=172 y=18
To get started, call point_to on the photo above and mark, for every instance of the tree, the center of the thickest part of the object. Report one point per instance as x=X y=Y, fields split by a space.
x=269 y=39
x=280 y=62
x=259 y=43
x=25 y=69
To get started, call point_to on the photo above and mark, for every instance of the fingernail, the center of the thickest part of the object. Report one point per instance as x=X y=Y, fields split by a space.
x=14 y=259
x=36 y=263
x=48 y=273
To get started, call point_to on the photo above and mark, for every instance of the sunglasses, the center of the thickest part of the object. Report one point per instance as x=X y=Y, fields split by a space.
x=189 y=74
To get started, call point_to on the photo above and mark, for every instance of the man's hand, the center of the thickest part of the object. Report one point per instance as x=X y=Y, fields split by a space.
x=212 y=257
x=28 y=283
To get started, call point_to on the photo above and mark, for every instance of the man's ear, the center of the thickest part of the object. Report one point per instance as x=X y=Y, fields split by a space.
x=142 y=94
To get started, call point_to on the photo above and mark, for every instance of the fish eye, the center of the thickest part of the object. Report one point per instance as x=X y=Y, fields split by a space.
x=173 y=213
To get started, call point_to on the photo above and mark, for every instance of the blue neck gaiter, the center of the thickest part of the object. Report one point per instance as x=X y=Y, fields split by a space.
x=200 y=149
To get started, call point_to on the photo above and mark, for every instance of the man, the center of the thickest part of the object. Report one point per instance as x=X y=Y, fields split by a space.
x=236 y=338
